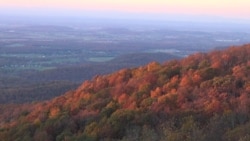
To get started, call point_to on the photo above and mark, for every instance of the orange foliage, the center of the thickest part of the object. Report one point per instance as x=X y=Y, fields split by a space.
x=157 y=92
x=153 y=66
x=244 y=103
x=185 y=81
x=123 y=98
x=148 y=95
x=196 y=78
x=54 y=111
x=213 y=106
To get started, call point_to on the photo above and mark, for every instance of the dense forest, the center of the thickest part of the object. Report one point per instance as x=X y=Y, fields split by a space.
x=203 y=97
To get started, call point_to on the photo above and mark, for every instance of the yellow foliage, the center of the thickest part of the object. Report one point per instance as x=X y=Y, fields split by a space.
x=37 y=122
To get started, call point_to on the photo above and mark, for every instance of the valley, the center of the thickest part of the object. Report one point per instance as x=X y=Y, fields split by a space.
x=34 y=55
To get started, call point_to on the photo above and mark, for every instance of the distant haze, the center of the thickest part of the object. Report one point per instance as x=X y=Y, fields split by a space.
x=220 y=13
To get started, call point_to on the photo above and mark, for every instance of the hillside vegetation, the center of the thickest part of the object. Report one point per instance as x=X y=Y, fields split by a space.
x=204 y=97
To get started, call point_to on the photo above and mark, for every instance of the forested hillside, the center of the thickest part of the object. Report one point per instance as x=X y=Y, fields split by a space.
x=204 y=97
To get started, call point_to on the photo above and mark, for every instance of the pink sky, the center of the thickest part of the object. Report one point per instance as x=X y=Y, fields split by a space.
x=226 y=8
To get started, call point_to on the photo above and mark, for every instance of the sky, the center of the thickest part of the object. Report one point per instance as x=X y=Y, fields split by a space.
x=219 y=8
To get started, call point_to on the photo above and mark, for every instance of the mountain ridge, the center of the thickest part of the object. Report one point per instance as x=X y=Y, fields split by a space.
x=202 y=97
